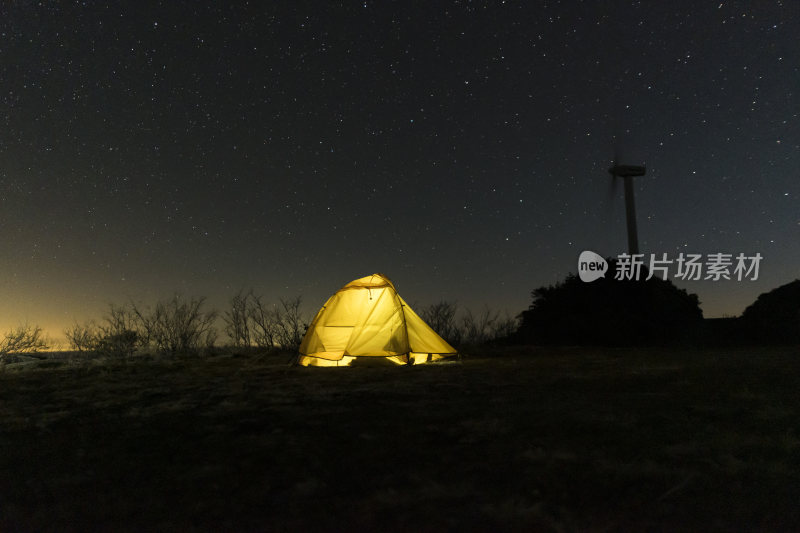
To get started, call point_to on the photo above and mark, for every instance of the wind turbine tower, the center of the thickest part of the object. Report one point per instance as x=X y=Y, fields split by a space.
x=627 y=173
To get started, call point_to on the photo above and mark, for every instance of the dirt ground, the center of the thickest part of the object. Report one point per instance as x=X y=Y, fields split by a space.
x=527 y=439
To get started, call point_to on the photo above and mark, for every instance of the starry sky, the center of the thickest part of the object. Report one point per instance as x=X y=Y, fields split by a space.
x=459 y=147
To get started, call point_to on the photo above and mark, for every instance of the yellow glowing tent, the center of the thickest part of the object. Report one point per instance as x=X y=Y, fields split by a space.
x=366 y=319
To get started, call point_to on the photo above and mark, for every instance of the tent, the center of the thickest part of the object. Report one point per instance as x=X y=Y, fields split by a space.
x=366 y=320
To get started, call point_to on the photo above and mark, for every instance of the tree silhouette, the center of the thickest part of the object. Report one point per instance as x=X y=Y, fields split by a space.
x=774 y=318
x=610 y=312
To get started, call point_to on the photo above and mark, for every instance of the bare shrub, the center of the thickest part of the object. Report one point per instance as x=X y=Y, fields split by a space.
x=277 y=326
x=124 y=343
x=442 y=318
x=121 y=332
x=209 y=339
x=485 y=326
x=290 y=324
x=178 y=325
x=263 y=321
x=476 y=327
x=465 y=327
x=82 y=337
x=504 y=327
x=238 y=319
x=24 y=339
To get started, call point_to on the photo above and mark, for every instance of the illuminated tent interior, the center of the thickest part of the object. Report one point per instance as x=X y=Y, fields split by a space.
x=366 y=320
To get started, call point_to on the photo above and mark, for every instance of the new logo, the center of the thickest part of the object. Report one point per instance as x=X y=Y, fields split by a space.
x=591 y=266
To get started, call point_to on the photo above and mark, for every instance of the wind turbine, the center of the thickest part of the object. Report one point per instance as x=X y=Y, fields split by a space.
x=627 y=173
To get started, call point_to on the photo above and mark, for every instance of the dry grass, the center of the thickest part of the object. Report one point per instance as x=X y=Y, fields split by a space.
x=553 y=440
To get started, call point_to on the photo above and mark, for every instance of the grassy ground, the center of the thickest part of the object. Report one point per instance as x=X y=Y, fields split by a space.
x=551 y=440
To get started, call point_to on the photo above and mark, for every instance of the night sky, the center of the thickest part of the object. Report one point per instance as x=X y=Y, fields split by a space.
x=461 y=148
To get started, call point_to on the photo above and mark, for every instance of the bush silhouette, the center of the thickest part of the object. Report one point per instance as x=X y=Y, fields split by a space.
x=123 y=343
x=82 y=337
x=610 y=312
x=24 y=339
x=462 y=327
x=252 y=321
x=179 y=325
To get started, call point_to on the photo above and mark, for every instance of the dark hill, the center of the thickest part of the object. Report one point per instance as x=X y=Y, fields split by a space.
x=774 y=318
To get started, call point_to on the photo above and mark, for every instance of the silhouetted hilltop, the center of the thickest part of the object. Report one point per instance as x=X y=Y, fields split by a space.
x=774 y=318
